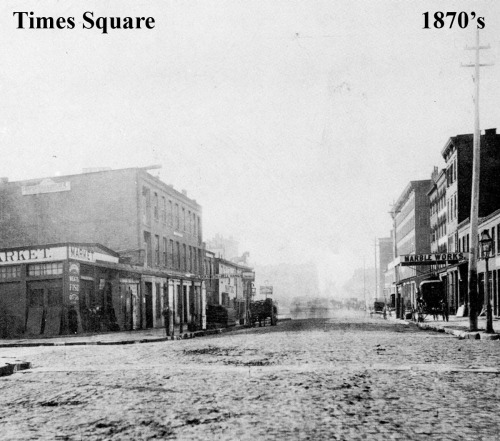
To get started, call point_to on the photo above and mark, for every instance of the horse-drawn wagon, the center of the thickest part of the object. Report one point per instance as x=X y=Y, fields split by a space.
x=431 y=299
x=262 y=310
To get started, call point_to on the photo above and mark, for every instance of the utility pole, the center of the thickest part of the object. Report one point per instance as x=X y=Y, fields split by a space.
x=364 y=283
x=397 y=300
x=376 y=275
x=474 y=207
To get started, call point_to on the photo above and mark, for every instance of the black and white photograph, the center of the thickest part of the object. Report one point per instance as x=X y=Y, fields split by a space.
x=249 y=220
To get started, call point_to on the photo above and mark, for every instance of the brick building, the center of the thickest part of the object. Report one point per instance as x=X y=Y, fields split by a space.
x=228 y=284
x=147 y=222
x=411 y=226
x=458 y=153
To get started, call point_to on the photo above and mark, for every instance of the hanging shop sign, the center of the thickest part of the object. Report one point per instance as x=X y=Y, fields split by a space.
x=431 y=259
x=74 y=282
x=248 y=275
x=266 y=290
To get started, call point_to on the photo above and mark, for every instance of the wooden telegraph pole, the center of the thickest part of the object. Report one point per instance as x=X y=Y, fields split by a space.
x=474 y=207
x=376 y=272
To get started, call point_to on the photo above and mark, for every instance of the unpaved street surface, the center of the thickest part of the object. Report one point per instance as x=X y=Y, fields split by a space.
x=341 y=378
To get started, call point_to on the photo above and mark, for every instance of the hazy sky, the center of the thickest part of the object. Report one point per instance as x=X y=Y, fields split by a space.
x=295 y=124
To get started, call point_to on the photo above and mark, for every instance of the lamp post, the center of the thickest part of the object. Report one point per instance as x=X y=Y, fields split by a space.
x=486 y=244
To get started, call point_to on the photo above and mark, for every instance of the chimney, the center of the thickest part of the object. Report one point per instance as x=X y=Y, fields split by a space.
x=490 y=132
x=4 y=180
x=184 y=192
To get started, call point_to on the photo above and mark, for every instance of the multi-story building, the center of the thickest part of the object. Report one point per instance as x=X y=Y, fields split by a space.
x=147 y=222
x=437 y=201
x=222 y=247
x=458 y=154
x=228 y=284
x=411 y=225
x=385 y=255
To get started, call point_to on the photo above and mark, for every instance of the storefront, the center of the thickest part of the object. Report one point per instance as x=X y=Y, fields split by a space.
x=83 y=288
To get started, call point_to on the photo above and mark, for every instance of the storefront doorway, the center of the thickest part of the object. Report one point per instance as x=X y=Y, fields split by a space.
x=149 y=304
x=44 y=307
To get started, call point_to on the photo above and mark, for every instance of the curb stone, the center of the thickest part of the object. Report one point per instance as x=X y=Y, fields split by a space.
x=475 y=335
x=484 y=336
x=187 y=335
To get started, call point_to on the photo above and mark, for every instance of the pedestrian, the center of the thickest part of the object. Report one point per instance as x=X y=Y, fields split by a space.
x=435 y=314
x=72 y=320
x=445 y=310
x=420 y=308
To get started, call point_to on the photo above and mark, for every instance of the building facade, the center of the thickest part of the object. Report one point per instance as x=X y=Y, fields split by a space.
x=145 y=221
x=385 y=256
x=458 y=155
x=411 y=227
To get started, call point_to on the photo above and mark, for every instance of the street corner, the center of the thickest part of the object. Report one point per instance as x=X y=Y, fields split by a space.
x=8 y=366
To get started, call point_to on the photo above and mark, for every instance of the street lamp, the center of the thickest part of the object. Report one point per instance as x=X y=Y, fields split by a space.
x=486 y=244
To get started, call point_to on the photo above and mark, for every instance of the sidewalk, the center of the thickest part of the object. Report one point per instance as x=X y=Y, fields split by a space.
x=111 y=338
x=458 y=326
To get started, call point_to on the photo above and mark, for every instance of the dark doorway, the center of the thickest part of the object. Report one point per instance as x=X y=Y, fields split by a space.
x=185 y=303
x=149 y=304
x=44 y=308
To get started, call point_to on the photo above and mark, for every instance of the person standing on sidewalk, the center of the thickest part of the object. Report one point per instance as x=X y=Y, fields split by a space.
x=445 y=310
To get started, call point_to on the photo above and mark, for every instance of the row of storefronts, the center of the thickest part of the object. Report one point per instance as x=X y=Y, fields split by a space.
x=431 y=229
x=83 y=288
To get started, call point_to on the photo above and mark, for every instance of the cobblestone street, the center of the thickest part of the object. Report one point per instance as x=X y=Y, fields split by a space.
x=340 y=378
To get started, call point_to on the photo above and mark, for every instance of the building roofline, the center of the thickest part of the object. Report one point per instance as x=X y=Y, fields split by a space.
x=143 y=170
x=408 y=189
x=230 y=263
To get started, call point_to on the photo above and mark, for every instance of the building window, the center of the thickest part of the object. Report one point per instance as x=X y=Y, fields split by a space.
x=177 y=220
x=146 y=205
x=164 y=210
x=190 y=259
x=178 y=255
x=10 y=272
x=165 y=252
x=493 y=249
x=183 y=219
x=157 y=250
x=147 y=243
x=45 y=269
x=184 y=257
x=498 y=238
x=171 y=254
x=189 y=226
x=156 y=206
x=170 y=214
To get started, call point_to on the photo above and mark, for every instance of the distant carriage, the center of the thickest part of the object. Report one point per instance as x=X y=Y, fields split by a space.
x=262 y=310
